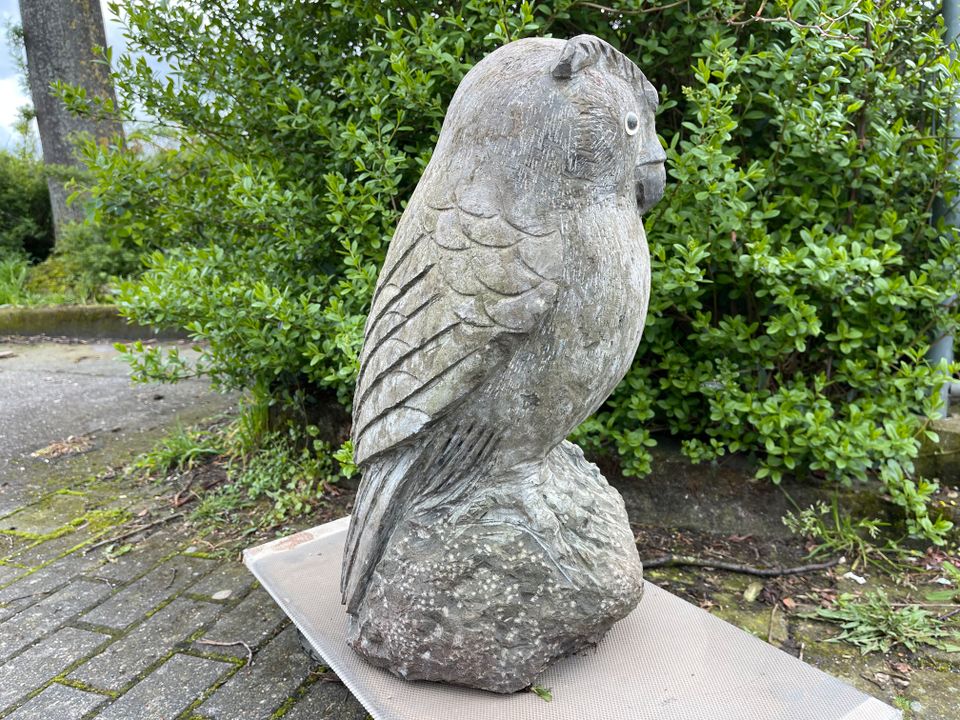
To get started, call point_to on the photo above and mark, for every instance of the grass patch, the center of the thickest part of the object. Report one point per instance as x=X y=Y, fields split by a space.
x=836 y=533
x=14 y=270
x=243 y=475
x=290 y=479
x=874 y=624
x=180 y=451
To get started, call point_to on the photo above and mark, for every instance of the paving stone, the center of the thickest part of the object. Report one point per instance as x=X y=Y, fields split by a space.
x=327 y=701
x=167 y=691
x=48 y=614
x=58 y=702
x=120 y=663
x=31 y=589
x=136 y=562
x=253 y=620
x=229 y=577
x=137 y=599
x=44 y=661
x=49 y=550
x=11 y=544
x=49 y=514
x=257 y=690
x=8 y=573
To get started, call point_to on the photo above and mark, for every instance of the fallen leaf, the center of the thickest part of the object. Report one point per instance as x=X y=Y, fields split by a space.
x=753 y=591
x=881 y=679
x=789 y=603
x=71 y=446
x=542 y=692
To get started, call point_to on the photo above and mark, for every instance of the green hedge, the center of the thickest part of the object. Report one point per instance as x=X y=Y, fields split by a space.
x=26 y=220
x=798 y=278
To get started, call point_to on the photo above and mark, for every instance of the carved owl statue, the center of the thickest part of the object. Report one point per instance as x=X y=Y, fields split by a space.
x=482 y=545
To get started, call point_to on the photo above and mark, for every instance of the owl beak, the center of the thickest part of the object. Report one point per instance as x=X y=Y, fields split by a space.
x=651 y=179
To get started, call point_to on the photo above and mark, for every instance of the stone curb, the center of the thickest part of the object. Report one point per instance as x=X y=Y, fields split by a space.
x=942 y=459
x=83 y=322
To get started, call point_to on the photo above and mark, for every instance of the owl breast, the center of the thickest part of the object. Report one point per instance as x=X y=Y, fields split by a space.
x=571 y=364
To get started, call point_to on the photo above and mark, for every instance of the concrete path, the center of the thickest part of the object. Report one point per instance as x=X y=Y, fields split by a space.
x=149 y=627
x=50 y=392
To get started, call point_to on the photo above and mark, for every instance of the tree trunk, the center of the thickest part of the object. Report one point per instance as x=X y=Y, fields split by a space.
x=60 y=37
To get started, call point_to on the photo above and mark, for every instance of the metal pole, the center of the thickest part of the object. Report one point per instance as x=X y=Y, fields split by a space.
x=943 y=347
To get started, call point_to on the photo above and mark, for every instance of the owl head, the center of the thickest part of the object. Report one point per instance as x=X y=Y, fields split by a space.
x=542 y=124
x=617 y=105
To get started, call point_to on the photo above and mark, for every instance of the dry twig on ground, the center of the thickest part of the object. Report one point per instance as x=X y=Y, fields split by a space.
x=230 y=643
x=134 y=531
x=685 y=560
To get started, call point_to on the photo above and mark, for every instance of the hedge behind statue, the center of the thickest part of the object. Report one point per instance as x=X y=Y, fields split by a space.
x=799 y=277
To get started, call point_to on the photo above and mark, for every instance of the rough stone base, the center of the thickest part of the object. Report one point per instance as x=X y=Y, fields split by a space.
x=941 y=460
x=523 y=574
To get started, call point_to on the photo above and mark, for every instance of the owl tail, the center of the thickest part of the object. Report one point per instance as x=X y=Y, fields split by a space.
x=380 y=503
x=440 y=468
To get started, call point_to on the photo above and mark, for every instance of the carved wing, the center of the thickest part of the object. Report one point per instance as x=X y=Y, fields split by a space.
x=460 y=284
x=461 y=288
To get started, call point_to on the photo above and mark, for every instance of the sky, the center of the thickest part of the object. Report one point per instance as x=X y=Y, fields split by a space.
x=12 y=93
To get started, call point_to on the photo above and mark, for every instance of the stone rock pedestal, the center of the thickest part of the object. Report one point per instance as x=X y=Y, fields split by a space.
x=487 y=594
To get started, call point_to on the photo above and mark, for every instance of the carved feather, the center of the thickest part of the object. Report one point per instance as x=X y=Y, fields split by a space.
x=459 y=289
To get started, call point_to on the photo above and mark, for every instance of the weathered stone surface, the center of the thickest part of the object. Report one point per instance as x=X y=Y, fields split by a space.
x=120 y=663
x=482 y=600
x=257 y=690
x=50 y=515
x=167 y=691
x=8 y=573
x=58 y=702
x=228 y=582
x=138 y=561
x=10 y=545
x=89 y=322
x=327 y=700
x=44 y=552
x=48 y=614
x=253 y=620
x=511 y=303
x=44 y=661
x=129 y=605
x=941 y=460
x=33 y=588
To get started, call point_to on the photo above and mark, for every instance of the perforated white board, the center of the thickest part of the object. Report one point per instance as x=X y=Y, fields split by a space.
x=668 y=660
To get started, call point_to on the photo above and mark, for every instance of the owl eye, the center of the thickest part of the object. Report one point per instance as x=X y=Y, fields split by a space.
x=631 y=123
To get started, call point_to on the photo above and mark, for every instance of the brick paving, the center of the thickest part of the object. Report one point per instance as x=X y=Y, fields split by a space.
x=142 y=635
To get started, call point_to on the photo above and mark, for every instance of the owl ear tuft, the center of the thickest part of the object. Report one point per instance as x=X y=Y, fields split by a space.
x=584 y=51
x=580 y=52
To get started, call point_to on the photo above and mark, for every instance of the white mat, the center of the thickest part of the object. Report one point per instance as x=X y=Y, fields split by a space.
x=668 y=660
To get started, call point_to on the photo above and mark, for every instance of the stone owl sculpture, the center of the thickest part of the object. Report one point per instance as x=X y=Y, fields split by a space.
x=482 y=545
